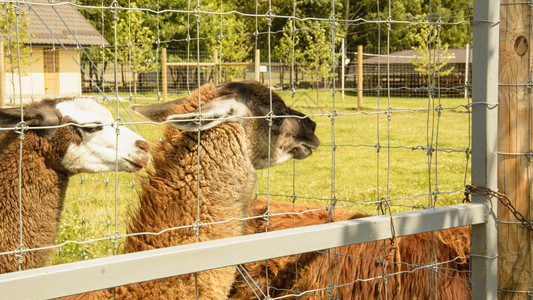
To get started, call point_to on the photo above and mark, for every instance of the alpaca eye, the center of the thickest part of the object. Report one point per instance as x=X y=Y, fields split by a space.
x=91 y=129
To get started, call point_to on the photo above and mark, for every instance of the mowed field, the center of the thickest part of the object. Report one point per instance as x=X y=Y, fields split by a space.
x=400 y=149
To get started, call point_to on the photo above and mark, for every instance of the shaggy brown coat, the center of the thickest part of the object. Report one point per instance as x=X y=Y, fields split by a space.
x=49 y=157
x=311 y=271
x=169 y=199
x=232 y=147
x=43 y=186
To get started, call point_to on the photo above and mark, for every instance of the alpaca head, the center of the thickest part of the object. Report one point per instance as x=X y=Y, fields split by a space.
x=274 y=132
x=92 y=143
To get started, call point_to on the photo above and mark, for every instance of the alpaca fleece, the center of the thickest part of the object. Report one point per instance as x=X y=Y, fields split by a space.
x=310 y=271
x=44 y=183
x=47 y=159
x=169 y=199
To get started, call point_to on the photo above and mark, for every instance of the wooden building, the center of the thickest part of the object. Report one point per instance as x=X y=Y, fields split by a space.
x=397 y=73
x=48 y=70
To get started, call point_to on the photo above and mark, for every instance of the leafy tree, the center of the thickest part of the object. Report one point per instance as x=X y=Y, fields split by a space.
x=236 y=48
x=433 y=62
x=318 y=54
x=433 y=56
x=135 y=40
x=14 y=43
x=411 y=34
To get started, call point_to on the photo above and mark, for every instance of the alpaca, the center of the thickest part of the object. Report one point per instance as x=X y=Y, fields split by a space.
x=352 y=263
x=229 y=149
x=49 y=157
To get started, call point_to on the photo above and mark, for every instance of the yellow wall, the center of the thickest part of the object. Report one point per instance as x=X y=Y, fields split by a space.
x=33 y=77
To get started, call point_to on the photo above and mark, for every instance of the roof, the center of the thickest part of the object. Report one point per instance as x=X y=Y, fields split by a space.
x=405 y=57
x=64 y=21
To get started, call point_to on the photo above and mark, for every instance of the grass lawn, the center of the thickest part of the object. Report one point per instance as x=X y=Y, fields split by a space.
x=365 y=155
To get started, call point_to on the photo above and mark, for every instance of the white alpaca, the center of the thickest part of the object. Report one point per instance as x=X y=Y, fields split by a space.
x=49 y=157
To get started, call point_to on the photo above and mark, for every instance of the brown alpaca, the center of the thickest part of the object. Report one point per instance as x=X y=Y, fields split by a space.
x=352 y=263
x=232 y=147
x=49 y=157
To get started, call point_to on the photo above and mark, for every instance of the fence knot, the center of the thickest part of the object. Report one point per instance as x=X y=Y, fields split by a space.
x=378 y=147
x=114 y=239
x=429 y=151
x=20 y=128
x=196 y=227
x=331 y=205
x=438 y=109
x=114 y=9
x=269 y=117
x=388 y=21
x=266 y=216
x=19 y=252
x=197 y=12
x=388 y=112
x=435 y=194
x=529 y=155
x=333 y=21
x=330 y=288
x=116 y=124
x=268 y=17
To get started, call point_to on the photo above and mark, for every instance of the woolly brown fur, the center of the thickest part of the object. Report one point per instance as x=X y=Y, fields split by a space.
x=169 y=199
x=43 y=186
x=313 y=269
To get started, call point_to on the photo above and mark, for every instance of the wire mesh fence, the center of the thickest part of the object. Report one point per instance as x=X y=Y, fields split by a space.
x=407 y=147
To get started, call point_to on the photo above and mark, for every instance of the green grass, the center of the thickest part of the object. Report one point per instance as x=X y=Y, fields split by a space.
x=359 y=176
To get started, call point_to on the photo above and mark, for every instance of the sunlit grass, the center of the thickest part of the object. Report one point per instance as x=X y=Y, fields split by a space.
x=366 y=154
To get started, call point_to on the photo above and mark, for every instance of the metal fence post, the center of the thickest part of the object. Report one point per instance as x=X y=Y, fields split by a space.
x=484 y=145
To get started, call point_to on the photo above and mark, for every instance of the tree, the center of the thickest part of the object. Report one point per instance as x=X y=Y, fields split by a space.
x=433 y=56
x=134 y=45
x=236 y=48
x=318 y=54
x=16 y=44
x=433 y=62
x=409 y=35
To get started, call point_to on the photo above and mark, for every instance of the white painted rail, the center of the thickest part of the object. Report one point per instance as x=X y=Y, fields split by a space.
x=79 y=277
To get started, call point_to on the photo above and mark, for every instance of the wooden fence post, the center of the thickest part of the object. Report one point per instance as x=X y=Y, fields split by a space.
x=215 y=70
x=359 y=76
x=257 y=63
x=343 y=58
x=2 y=76
x=515 y=168
x=164 y=73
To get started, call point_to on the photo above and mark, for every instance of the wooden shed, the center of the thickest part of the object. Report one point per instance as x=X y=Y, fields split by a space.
x=397 y=72
x=51 y=69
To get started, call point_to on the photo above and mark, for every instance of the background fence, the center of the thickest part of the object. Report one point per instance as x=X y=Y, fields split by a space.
x=403 y=78
x=415 y=142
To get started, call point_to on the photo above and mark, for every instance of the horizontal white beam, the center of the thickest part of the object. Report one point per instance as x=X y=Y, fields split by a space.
x=73 y=278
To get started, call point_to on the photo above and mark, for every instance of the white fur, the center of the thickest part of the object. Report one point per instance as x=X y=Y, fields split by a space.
x=102 y=150
x=214 y=112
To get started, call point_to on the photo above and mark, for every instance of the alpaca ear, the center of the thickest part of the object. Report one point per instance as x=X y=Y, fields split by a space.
x=34 y=115
x=214 y=112
x=156 y=112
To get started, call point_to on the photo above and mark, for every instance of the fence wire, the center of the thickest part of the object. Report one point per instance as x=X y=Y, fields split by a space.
x=97 y=206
